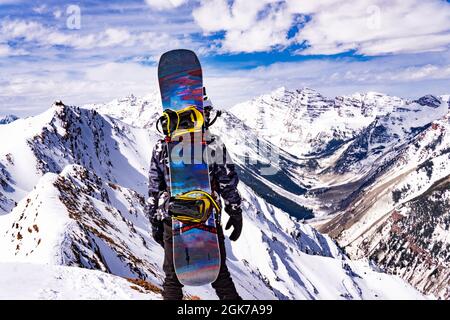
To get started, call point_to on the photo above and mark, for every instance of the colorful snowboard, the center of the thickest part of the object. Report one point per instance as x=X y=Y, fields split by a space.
x=195 y=246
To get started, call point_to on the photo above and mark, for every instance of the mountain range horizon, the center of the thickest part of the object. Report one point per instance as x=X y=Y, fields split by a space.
x=339 y=165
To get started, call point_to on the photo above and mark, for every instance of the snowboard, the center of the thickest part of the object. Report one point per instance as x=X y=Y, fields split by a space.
x=196 y=252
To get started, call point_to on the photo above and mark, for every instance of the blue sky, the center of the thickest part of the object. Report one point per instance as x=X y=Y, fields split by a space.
x=95 y=51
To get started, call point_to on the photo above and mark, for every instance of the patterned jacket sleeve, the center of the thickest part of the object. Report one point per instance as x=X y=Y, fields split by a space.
x=227 y=179
x=156 y=182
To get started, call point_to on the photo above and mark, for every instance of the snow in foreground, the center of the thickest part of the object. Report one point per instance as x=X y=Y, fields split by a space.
x=47 y=282
x=25 y=281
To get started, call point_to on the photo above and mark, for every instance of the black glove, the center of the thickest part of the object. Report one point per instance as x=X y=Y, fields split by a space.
x=158 y=232
x=235 y=221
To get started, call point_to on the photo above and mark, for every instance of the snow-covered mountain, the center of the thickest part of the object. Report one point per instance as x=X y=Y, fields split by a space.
x=382 y=179
x=401 y=219
x=7 y=119
x=339 y=145
x=73 y=190
x=303 y=122
x=139 y=112
x=70 y=135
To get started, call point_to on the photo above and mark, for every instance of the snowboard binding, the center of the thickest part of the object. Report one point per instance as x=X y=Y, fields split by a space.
x=176 y=123
x=190 y=119
x=195 y=206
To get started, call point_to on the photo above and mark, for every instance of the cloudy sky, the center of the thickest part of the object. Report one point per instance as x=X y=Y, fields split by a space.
x=94 y=51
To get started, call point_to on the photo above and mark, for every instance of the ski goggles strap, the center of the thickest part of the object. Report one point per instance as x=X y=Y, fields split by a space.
x=195 y=206
x=211 y=122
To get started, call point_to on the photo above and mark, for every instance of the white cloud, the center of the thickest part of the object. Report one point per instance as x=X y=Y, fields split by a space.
x=165 y=4
x=407 y=76
x=265 y=34
x=7 y=51
x=35 y=32
x=57 y=13
x=80 y=82
x=371 y=27
x=87 y=73
x=374 y=27
x=33 y=92
x=40 y=9
x=217 y=15
x=250 y=25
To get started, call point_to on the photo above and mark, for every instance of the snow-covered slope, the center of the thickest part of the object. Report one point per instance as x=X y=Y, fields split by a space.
x=26 y=281
x=243 y=144
x=79 y=178
x=343 y=175
x=270 y=171
x=76 y=219
x=339 y=145
x=446 y=98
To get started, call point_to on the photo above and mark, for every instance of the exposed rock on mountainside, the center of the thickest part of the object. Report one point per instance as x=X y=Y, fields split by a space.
x=396 y=151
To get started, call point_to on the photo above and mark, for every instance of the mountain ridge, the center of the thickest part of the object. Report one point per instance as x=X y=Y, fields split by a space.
x=96 y=215
x=399 y=153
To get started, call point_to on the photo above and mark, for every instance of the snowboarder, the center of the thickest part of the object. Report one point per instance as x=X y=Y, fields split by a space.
x=224 y=181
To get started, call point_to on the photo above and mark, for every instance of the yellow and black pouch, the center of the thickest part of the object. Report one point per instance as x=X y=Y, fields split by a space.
x=193 y=207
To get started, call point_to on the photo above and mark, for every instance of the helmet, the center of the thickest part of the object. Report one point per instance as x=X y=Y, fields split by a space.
x=207 y=110
x=207 y=106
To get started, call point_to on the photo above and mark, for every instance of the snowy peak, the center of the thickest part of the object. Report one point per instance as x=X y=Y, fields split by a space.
x=303 y=122
x=389 y=133
x=371 y=104
x=66 y=135
x=8 y=119
x=446 y=98
x=398 y=214
x=142 y=112
x=362 y=158
x=429 y=101
x=287 y=96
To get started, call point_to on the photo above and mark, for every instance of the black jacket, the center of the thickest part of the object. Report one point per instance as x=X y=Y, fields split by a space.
x=224 y=179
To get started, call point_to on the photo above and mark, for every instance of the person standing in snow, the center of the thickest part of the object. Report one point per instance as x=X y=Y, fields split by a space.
x=224 y=181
